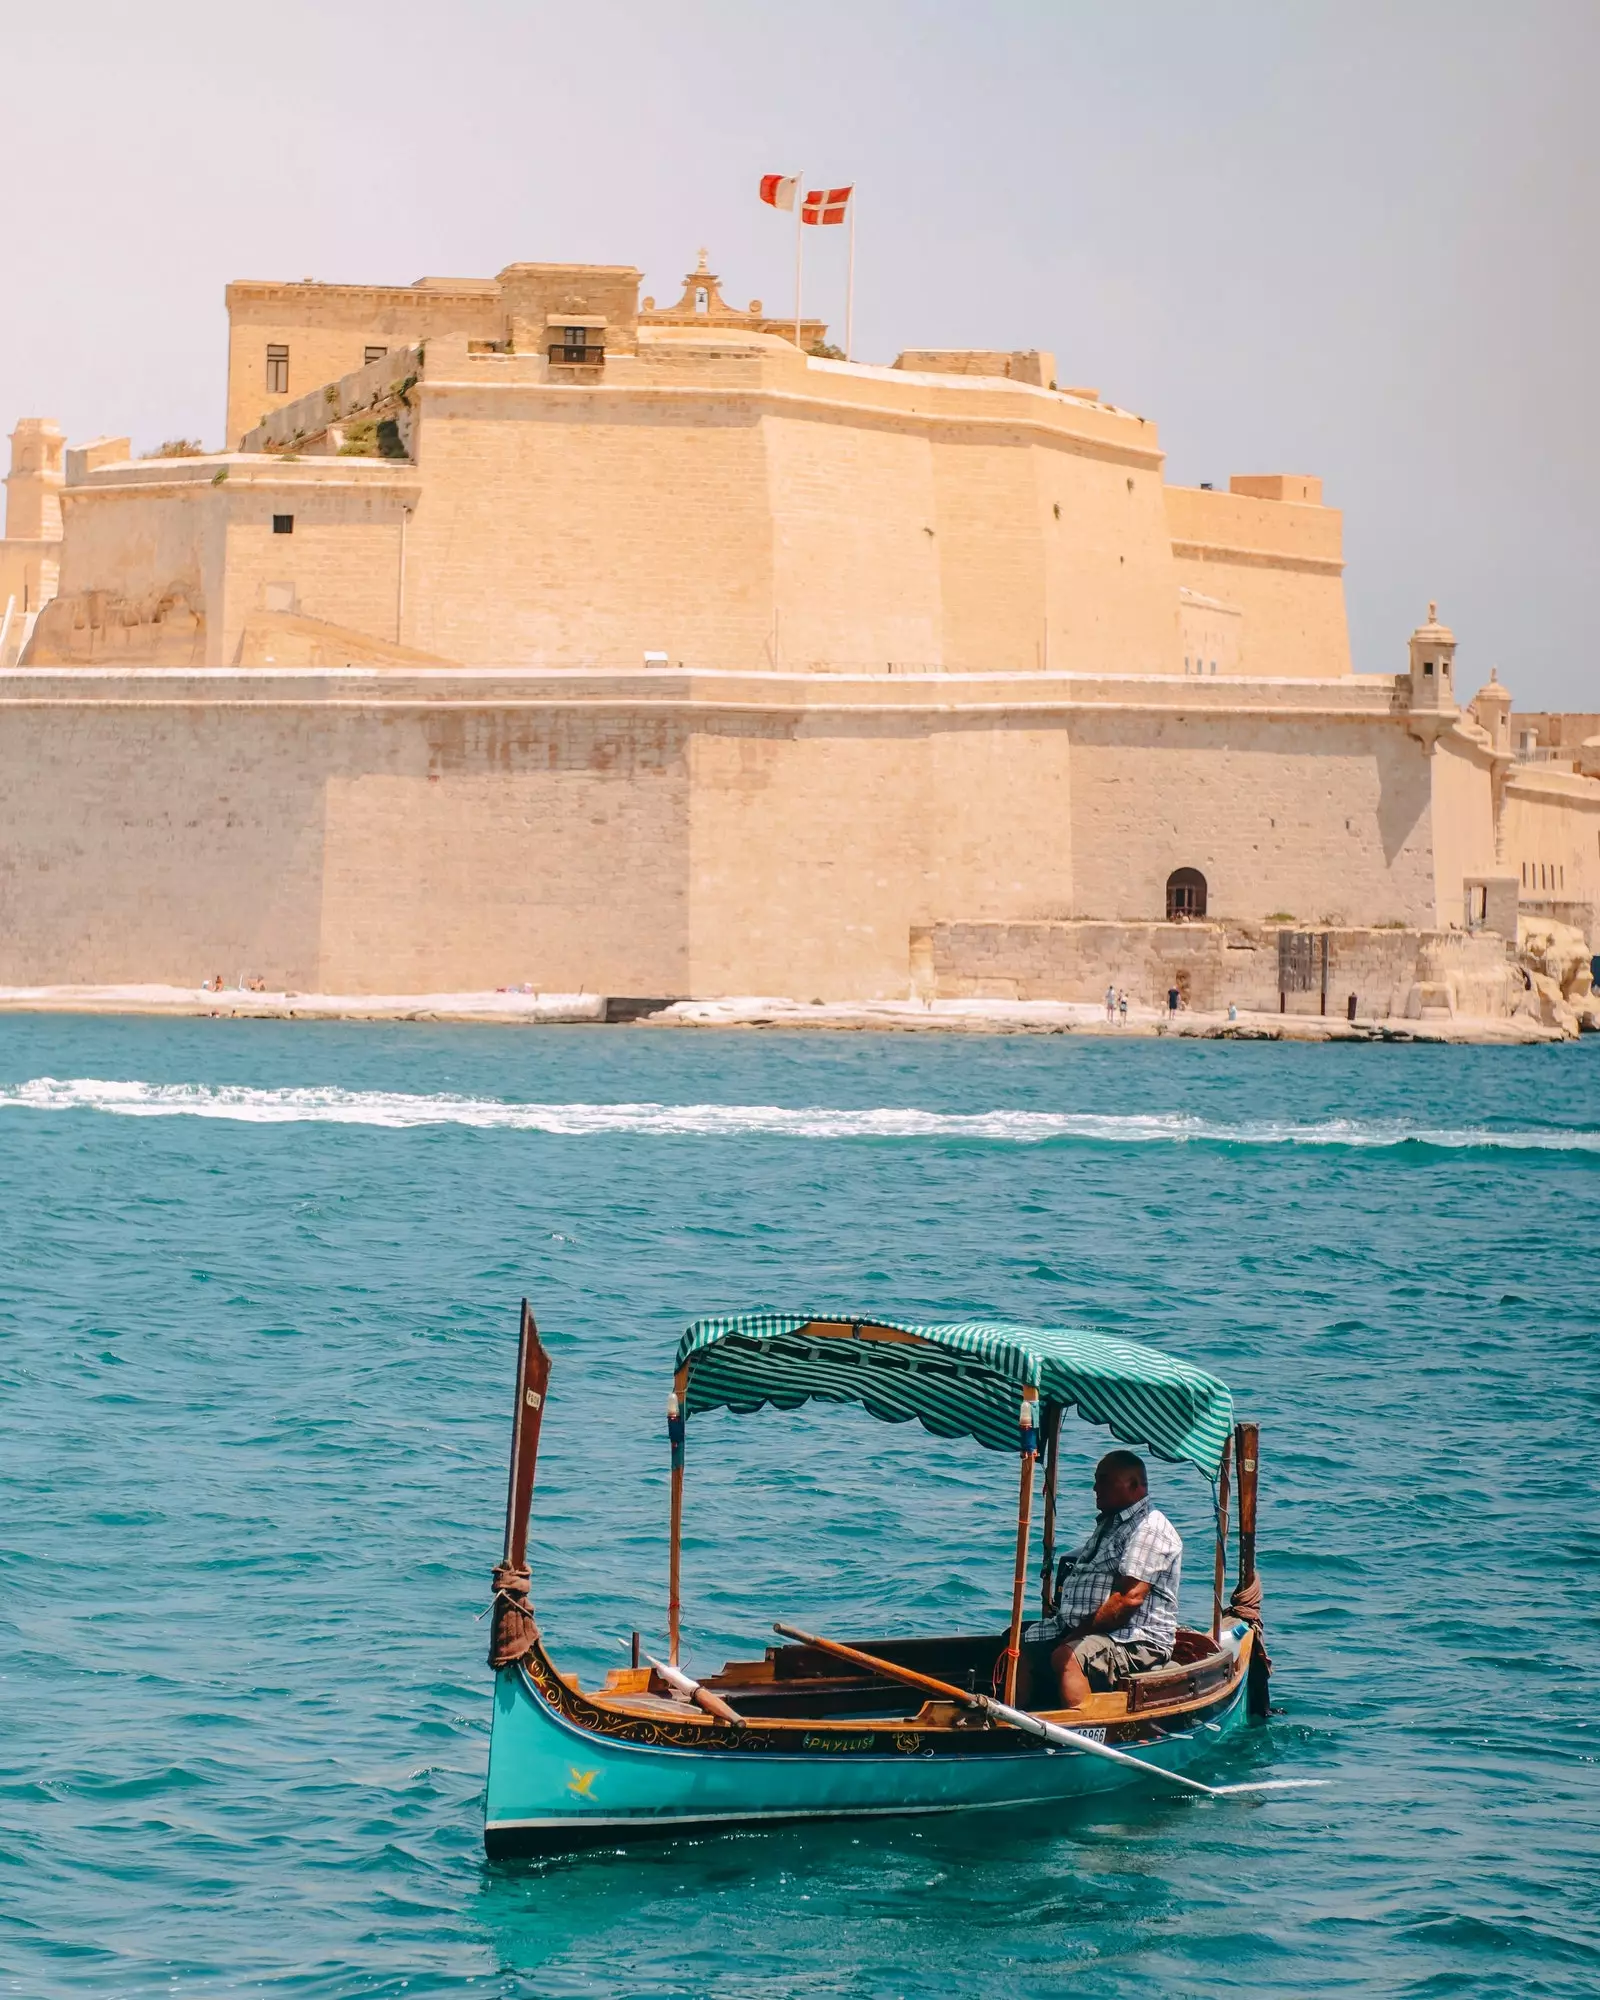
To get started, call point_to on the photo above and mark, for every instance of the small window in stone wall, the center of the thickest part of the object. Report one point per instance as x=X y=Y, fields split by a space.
x=283 y=524
x=277 y=371
x=1186 y=894
x=373 y=354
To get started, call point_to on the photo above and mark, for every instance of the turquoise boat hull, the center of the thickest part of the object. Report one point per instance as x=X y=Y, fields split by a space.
x=567 y=1770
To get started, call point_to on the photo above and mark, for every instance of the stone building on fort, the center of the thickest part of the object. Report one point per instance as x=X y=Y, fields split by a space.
x=528 y=631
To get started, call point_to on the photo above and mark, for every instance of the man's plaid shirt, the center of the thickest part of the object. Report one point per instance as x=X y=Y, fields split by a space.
x=1141 y=1543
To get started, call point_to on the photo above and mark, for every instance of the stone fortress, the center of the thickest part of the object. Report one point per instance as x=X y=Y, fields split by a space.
x=529 y=632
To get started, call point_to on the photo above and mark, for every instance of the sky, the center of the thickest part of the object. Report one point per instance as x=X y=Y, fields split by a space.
x=1349 y=239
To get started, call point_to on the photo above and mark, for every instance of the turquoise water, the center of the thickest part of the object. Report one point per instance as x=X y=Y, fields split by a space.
x=257 y=1325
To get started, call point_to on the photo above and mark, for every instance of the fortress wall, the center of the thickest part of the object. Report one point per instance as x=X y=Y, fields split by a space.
x=1040 y=511
x=716 y=486
x=1213 y=966
x=141 y=536
x=347 y=850
x=1554 y=730
x=28 y=572
x=1320 y=817
x=1551 y=821
x=401 y=829
x=466 y=851
x=589 y=528
x=160 y=843
x=341 y=564
x=855 y=571
x=327 y=330
x=1281 y=563
x=1112 y=587
x=367 y=833
x=722 y=499
x=1078 y=961
x=138 y=539
x=991 y=548
x=820 y=840
x=1463 y=825
x=126 y=554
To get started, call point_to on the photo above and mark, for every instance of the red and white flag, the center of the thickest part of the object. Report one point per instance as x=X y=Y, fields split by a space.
x=826 y=204
x=777 y=190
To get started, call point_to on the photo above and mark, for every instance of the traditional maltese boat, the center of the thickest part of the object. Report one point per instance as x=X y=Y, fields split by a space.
x=820 y=1729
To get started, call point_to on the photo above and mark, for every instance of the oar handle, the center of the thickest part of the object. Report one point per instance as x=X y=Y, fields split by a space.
x=891 y=1668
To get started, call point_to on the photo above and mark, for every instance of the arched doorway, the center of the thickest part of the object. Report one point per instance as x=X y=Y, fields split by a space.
x=1186 y=894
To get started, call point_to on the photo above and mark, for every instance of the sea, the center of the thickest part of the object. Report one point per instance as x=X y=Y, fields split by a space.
x=259 y=1294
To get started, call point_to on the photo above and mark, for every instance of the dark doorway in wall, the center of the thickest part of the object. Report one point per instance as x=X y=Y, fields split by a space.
x=1186 y=894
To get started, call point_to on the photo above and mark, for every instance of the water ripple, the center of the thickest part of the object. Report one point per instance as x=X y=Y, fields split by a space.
x=402 y=1111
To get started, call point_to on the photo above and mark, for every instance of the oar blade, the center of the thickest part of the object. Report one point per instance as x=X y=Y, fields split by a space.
x=1267 y=1785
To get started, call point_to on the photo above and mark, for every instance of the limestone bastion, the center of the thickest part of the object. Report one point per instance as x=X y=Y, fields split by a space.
x=528 y=632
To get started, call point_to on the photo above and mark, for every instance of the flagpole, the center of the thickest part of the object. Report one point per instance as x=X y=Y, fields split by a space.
x=799 y=217
x=850 y=288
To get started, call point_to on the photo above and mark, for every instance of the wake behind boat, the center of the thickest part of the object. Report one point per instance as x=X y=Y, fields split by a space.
x=818 y=1729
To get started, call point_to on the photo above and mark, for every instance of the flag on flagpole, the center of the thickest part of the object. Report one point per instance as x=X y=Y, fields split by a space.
x=826 y=205
x=777 y=190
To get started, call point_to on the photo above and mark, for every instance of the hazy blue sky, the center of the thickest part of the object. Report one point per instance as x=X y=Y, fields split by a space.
x=1349 y=239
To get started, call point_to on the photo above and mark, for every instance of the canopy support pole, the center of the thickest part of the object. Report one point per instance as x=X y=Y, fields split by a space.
x=675 y=1434
x=1220 y=1572
x=1052 y=1445
x=1248 y=1440
x=1019 y=1576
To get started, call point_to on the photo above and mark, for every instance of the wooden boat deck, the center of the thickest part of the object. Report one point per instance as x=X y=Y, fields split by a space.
x=799 y=1685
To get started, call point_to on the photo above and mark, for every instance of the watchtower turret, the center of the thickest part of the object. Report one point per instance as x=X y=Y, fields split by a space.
x=1430 y=691
x=1492 y=707
x=1433 y=662
x=33 y=485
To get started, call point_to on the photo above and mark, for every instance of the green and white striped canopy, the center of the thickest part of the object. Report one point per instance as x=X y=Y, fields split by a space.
x=958 y=1379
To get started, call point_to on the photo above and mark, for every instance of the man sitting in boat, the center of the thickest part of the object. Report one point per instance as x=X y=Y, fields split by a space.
x=1116 y=1598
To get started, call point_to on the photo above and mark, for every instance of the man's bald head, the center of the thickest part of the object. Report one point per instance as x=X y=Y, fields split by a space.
x=1119 y=1480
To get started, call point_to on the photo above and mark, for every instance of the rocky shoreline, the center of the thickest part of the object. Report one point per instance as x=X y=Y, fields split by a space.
x=983 y=1017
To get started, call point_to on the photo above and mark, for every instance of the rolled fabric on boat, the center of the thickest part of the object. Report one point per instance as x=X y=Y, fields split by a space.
x=1245 y=1603
x=513 y=1633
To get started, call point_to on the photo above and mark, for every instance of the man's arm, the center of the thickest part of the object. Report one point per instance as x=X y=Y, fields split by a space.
x=1127 y=1592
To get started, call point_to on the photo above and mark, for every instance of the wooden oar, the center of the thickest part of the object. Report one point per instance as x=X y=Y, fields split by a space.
x=702 y=1697
x=686 y=1685
x=1035 y=1725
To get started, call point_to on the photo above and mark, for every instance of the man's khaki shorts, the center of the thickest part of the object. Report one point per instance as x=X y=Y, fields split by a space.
x=1107 y=1663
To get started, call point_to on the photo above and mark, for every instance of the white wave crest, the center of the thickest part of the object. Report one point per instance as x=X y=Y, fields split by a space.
x=398 y=1111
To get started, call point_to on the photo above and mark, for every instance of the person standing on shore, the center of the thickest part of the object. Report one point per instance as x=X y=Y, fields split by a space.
x=1111 y=1005
x=1173 y=997
x=1122 y=1008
